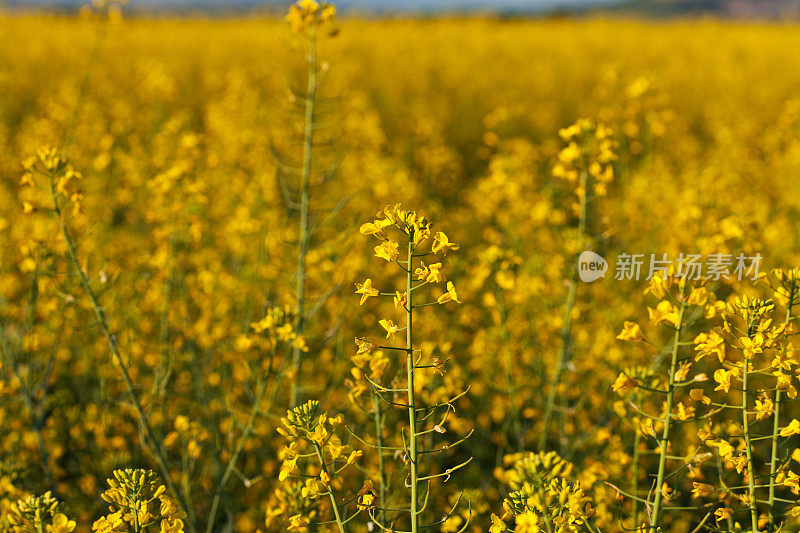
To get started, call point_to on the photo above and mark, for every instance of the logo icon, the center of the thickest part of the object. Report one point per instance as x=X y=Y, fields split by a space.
x=591 y=266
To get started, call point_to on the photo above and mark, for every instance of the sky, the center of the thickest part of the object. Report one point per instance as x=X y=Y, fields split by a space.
x=367 y=5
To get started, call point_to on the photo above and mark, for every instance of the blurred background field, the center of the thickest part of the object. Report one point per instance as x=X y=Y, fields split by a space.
x=176 y=125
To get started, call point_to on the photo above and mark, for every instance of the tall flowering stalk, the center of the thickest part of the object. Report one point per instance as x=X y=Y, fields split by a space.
x=678 y=323
x=310 y=19
x=66 y=201
x=679 y=303
x=750 y=357
x=419 y=243
x=586 y=162
x=787 y=293
x=756 y=366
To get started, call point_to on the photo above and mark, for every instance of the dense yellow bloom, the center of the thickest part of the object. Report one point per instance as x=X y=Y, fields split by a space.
x=723 y=378
x=305 y=14
x=450 y=295
x=442 y=245
x=498 y=526
x=665 y=311
x=366 y=290
x=623 y=383
x=764 y=408
x=184 y=223
x=792 y=429
x=723 y=513
x=387 y=250
x=389 y=326
x=701 y=490
x=630 y=332
x=710 y=343
x=724 y=448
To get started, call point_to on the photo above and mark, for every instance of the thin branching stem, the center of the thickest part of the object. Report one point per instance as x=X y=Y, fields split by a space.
x=566 y=330
x=751 y=480
x=776 y=425
x=412 y=414
x=376 y=405
x=261 y=386
x=155 y=443
x=304 y=234
x=331 y=494
x=662 y=461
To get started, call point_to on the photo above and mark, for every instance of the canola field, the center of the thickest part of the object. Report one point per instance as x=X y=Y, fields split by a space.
x=344 y=274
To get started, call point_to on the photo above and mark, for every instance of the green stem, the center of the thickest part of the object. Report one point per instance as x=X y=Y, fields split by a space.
x=548 y=521
x=566 y=331
x=662 y=461
x=165 y=361
x=35 y=411
x=635 y=482
x=751 y=476
x=135 y=514
x=248 y=430
x=332 y=495
x=514 y=424
x=304 y=237
x=773 y=460
x=188 y=464
x=155 y=443
x=412 y=413
x=376 y=405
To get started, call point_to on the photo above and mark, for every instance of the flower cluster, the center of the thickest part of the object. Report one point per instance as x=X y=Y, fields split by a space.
x=305 y=15
x=38 y=514
x=544 y=496
x=137 y=500
x=587 y=159
x=277 y=326
x=312 y=435
x=418 y=231
x=61 y=176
